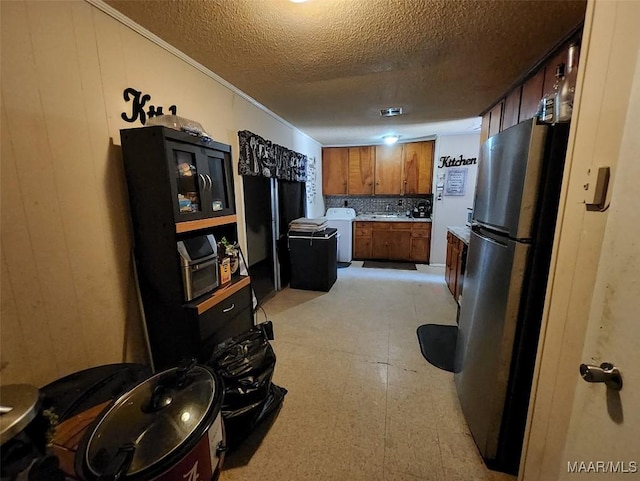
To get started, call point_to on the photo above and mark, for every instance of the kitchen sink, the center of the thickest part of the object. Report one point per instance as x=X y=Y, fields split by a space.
x=387 y=216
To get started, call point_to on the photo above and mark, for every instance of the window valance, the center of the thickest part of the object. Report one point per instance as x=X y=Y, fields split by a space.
x=260 y=157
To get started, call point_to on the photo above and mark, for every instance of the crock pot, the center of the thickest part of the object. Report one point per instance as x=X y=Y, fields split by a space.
x=166 y=428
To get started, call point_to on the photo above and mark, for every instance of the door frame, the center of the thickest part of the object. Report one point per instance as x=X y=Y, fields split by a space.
x=609 y=52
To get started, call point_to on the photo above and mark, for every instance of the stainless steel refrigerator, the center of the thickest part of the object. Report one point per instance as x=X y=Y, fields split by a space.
x=514 y=216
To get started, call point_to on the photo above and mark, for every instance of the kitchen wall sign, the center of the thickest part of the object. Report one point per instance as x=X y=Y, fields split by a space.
x=448 y=161
x=138 y=102
x=456 y=181
x=260 y=157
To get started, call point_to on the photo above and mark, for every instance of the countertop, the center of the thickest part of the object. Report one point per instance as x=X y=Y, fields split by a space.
x=388 y=218
x=461 y=232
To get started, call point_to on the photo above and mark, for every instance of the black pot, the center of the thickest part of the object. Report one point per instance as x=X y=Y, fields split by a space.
x=166 y=428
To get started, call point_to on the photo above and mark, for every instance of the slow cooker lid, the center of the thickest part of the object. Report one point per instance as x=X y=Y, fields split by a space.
x=156 y=418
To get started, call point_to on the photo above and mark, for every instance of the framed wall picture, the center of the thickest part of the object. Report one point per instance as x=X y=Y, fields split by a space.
x=456 y=181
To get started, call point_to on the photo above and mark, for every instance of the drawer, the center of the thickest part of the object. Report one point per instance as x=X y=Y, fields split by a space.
x=222 y=314
x=421 y=226
x=363 y=225
x=420 y=233
x=363 y=232
x=400 y=225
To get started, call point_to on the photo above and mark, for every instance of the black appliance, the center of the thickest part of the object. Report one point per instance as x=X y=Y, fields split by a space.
x=422 y=210
x=516 y=204
x=199 y=262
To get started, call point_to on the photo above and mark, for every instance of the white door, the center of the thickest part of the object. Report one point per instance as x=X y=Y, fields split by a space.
x=604 y=431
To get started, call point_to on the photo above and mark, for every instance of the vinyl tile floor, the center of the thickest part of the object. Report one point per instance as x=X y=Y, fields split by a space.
x=362 y=402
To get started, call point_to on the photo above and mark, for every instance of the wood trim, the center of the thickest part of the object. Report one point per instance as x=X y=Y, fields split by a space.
x=222 y=293
x=192 y=225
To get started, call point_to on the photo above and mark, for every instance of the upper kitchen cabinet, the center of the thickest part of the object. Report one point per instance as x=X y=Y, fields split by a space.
x=335 y=170
x=495 y=119
x=531 y=95
x=511 y=108
x=417 y=160
x=388 y=171
x=522 y=101
x=361 y=170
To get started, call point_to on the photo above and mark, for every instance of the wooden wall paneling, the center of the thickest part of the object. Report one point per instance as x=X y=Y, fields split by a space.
x=36 y=178
x=484 y=127
x=27 y=350
x=81 y=211
x=105 y=297
x=532 y=92
x=388 y=175
x=511 y=108
x=361 y=170
x=495 y=121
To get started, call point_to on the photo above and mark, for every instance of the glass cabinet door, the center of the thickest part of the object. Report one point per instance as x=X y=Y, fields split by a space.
x=189 y=182
x=219 y=194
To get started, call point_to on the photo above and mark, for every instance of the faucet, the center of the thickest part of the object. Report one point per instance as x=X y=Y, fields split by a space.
x=387 y=208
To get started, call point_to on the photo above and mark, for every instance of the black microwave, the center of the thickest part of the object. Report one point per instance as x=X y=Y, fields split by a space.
x=199 y=263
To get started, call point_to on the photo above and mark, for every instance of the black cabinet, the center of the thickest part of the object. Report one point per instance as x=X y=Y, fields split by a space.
x=180 y=187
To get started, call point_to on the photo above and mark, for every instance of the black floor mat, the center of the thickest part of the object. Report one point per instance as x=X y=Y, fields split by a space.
x=404 y=266
x=342 y=265
x=438 y=345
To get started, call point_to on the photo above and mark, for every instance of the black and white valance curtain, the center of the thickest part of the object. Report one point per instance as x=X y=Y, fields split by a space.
x=260 y=157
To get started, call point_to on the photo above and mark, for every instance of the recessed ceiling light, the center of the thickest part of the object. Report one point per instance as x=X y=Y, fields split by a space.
x=390 y=139
x=297 y=1
x=391 y=111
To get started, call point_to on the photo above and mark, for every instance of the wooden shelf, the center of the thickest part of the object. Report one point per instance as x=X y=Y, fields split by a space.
x=220 y=294
x=192 y=225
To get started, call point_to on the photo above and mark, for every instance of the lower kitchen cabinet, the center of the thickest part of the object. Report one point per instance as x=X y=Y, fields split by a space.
x=398 y=241
x=455 y=264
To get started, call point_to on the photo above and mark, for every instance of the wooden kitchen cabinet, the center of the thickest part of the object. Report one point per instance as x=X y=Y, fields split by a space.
x=417 y=167
x=363 y=232
x=361 y=170
x=335 y=170
x=388 y=170
x=399 y=241
x=420 y=242
x=495 y=121
x=531 y=96
x=401 y=169
x=511 y=108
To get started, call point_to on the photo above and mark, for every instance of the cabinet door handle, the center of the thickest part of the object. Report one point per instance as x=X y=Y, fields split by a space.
x=210 y=181
x=229 y=308
x=203 y=182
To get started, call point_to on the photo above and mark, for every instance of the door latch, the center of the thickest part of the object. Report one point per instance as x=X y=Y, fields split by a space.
x=606 y=373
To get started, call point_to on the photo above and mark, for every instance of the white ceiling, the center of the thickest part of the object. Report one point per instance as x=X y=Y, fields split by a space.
x=329 y=66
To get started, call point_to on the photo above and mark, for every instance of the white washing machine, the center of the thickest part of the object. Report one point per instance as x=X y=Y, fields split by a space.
x=341 y=218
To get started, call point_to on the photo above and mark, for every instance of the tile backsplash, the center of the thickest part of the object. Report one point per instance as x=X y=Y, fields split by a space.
x=371 y=205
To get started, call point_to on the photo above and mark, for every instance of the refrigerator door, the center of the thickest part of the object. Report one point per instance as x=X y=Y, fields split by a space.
x=486 y=332
x=509 y=173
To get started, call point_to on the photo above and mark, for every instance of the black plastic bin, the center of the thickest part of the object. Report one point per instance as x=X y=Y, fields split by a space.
x=314 y=264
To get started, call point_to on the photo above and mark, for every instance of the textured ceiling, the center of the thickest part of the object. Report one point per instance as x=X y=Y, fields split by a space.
x=329 y=66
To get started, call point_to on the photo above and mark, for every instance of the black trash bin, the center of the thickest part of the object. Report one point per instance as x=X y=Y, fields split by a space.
x=314 y=264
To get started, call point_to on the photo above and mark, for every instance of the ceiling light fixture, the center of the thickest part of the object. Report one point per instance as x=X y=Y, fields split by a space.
x=391 y=112
x=390 y=139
